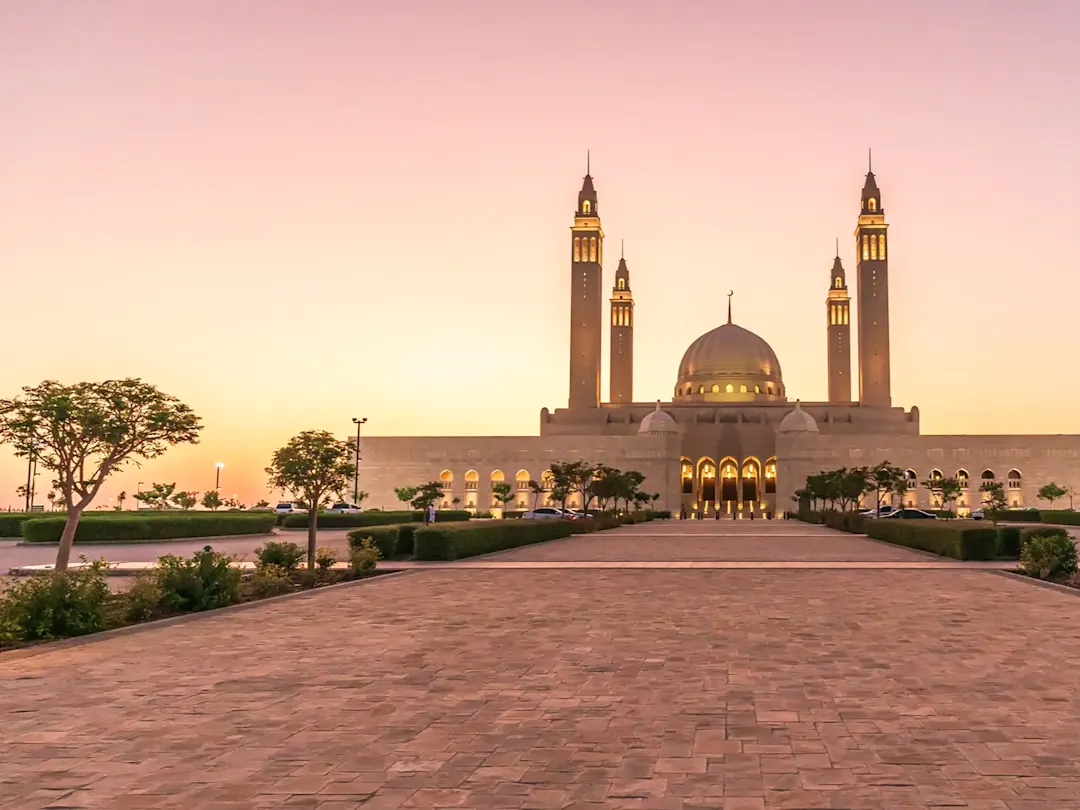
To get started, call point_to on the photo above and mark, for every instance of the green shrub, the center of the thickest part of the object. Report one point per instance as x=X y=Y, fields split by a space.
x=468 y=540
x=271 y=580
x=1047 y=555
x=56 y=604
x=663 y=514
x=384 y=538
x=960 y=539
x=1062 y=516
x=285 y=555
x=1009 y=541
x=143 y=598
x=365 y=556
x=95 y=529
x=204 y=581
x=325 y=557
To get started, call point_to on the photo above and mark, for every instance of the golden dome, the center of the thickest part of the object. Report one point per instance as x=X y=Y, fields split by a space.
x=730 y=364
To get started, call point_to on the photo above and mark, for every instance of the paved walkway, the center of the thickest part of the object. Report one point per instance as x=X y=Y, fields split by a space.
x=580 y=688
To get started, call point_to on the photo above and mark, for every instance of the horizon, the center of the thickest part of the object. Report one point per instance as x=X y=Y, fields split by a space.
x=288 y=219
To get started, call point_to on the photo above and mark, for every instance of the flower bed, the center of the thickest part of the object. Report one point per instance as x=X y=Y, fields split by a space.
x=51 y=606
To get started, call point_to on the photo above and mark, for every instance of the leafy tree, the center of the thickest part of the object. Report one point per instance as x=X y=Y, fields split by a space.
x=211 y=500
x=947 y=490
x=311 y=466
x=885 y=478
x=54 y=498
x=159 y=496
x=1051 y=492
x=537 y=490
x=426 y=495
x=120 y=500
x=501 y=492
x=260 y=504
x=641 y=500
x=456 y=501
x=22 y=492
x=900 y=488
x=185 y=500
x=86 y=432
x=405 y=494
x=995 y=501
x=574 y=476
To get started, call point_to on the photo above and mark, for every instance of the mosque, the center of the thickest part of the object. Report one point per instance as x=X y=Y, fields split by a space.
x=729 y=440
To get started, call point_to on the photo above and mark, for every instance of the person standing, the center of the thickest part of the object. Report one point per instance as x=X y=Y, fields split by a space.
x=430 y=514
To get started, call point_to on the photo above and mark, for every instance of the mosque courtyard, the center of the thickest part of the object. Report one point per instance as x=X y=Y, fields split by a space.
x=656 y=687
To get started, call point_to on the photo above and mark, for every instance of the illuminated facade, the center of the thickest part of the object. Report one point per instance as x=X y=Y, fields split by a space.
x=728 y=442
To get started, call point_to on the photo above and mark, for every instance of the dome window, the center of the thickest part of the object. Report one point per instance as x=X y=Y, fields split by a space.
x=757 y=389
x=742 y=389
x=730 y=388
x=715 y=388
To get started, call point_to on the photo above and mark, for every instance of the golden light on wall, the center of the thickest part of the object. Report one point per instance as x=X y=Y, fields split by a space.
x=729 y=471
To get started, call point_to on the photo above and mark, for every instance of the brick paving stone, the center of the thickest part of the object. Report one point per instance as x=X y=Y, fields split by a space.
x=727 y=540
x=504 y=689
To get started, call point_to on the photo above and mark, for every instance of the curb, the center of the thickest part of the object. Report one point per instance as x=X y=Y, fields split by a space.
x=111 y=543
x=92 y=638
x=1041 y=583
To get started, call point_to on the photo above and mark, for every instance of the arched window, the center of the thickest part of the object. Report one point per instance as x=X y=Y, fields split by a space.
x=757 y=389
x=910 y=477
x=845 y=309
x=742 y=389
x=1014 y=479
x=600 y=252
x=689 y=390
x=839 y=281
x=832 y=316
x=770 y=389
x=497 y=476
x=873 y=247
x=716 y=388
x=547 y=481
x=577 y=248
x=770 y=476
x=686 y=476
x=622 y=284
x=962 y=478
x=988 y=475
x=586 y=207
x=935 y=475
x=522 y=479
x=471 y=480
x=701 y=389
x=881 y=246
x=871 y=204
x=865 y=248
x=592 y=249
x=729 y=388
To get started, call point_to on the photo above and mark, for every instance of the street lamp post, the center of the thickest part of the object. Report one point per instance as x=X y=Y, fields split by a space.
x=217 y=478
x=356 y=475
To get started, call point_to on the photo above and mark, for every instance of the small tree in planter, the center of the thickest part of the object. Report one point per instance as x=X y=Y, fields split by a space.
x=312 y=466
x=185 y=500
x=405 y=494
x=537 y=490
x=211 y=500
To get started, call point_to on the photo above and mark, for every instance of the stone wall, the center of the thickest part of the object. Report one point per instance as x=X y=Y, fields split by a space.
x=389 y=462
x=1038 y=460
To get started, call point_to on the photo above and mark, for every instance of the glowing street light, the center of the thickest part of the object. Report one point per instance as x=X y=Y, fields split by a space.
x=217 y=479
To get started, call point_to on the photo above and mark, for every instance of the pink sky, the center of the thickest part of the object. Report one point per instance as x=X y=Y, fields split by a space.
x=289 y=214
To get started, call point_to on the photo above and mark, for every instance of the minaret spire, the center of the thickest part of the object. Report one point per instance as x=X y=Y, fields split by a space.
x=870 y=159
x=838 y=247
x=730 y=293
x=621 y=388
x=622 y=248
x=588 y=162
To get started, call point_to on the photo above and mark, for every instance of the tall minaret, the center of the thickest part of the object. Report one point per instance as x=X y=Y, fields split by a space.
x=837 y=318
x=586 y=299
x=621 y=389
x=873 y=271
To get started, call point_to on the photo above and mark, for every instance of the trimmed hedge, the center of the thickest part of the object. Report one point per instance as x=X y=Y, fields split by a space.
x=334 y=520
x=11 y=523
x=454 y=542
x=96 y=530
x=1009 y=541
x=959 y=539
x=1015 y=516
x=1062 y=516
x=392 y=541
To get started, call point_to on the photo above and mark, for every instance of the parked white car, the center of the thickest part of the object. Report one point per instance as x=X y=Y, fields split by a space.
x=288 y=508
x=544 y=513
x=343 y=508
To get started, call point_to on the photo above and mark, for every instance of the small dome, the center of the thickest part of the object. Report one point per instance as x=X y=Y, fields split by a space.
x=798 y=422
x=657 y=422
x=730 y=364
